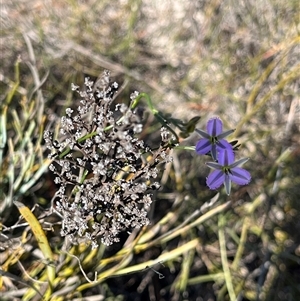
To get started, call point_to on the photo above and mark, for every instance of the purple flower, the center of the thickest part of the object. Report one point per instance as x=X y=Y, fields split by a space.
x=227 y=171
x=213 y=141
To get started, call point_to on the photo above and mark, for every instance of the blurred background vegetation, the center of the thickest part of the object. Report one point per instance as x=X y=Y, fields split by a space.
x=235 y=59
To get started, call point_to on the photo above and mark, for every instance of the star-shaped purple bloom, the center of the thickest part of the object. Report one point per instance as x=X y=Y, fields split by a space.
x=227 y=171
x=213 y=141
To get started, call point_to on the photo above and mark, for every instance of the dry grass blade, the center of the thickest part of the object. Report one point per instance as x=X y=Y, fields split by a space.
x=42 y=242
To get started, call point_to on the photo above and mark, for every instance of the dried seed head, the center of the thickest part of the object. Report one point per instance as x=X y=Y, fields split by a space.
x=102 y=166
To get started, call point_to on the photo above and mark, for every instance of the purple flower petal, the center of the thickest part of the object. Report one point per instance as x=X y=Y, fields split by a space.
x=214 y=126
x=226 y=157
x=215 y=179
x=214 y=152
x=225 y=134
x=227 y=184
x=203 y=146
x=240 y=176
x=202 y=133
x=224 y=144
x=214 y=165
x=239 y=162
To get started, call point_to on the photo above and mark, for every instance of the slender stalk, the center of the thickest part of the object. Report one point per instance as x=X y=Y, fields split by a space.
x=225 y=265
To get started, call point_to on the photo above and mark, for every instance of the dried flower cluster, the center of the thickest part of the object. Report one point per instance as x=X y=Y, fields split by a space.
x=102 y=167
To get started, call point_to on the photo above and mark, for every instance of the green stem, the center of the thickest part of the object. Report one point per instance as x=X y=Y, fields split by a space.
x=241 y=246
x=227 y=275
x=156 y=113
